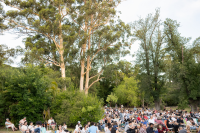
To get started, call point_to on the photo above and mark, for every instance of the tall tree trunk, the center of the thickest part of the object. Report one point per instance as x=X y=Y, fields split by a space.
x=62 y=66
x=87 y=75
x=88 y=67
x=157 y=104
x=143 y=102
x=82 y=67
x=194 y=105
x=61 y=47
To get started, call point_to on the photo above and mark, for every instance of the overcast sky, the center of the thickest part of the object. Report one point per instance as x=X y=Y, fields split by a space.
x=187 y=12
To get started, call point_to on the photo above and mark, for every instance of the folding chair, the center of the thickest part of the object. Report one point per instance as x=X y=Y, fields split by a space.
x=7 y=127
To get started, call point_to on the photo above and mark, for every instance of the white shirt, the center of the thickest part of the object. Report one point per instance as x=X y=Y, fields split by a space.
x=65 y=127
x=77 y=126
x=105 y=129
x=152 y=121
x=24 y=128
x=83 y=130
x=60 y=132
x=173 y=119
x=50 y=121
x=189 y=123
x=31 y=127
x=76 y=130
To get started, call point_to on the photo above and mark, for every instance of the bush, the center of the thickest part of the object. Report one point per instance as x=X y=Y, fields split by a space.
x=26 y=94
x=74 y=106
x=127 y=92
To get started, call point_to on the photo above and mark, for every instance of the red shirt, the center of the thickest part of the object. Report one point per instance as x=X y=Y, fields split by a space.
x=163 y=129
x=139 y=119
x=145 y=117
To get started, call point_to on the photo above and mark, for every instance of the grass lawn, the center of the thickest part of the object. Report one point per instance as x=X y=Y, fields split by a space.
x=176 y=107
x=4 y=130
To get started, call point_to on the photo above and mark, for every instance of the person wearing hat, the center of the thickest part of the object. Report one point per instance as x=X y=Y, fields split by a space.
x=78 y=125
x=9 y=124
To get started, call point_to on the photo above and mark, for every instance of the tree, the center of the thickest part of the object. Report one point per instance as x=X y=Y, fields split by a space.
x=7 y=54
x=112 y=98
x=79 y=107
x=101 y=38
x=150 y=56
x=26 y=93
x=2 y=25
x=46 y=22
x=127 y=92
x=185 y=72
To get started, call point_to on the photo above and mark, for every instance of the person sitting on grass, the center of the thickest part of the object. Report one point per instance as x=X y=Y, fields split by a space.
x=31 y=127
x=85 y=129
x=21 y=122
x=161 y=129
x=60 y=130
x=150 y=128
x=52 y=123
x=192 y=125
x=9 y=124
x=24 y=127
x=181 y=130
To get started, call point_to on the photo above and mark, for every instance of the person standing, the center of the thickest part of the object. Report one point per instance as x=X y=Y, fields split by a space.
x=93 y=128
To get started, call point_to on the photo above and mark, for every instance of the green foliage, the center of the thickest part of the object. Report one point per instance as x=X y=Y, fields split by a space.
x=6 y=53
x=114 y=75
x=150 y=56
x=26 y=93
x=74 y=106
x=112 y=98
x=185 y=65
x=127 y=92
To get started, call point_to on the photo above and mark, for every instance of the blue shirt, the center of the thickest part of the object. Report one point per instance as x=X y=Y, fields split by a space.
x=92 y=129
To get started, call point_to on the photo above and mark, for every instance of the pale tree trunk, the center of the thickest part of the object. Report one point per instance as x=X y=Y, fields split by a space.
x=82 y=67
x=62 y=61
x=88 y=67
x=87 y=75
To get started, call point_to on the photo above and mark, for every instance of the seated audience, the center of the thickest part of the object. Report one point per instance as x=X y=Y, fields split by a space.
x=52 y=123
x=9 y=124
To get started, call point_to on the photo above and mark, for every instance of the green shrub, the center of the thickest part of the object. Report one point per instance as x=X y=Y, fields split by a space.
x=26 y=94
x=127 y=92
x=74 y=106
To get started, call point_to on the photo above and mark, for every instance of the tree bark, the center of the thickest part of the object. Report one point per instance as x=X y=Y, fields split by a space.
x=82 y=67
x=194 y=105
x=62 y=61
x=87 y=75
x=88 y=67
x=157 y=104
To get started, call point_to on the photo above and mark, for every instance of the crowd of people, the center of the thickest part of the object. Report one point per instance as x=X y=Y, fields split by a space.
x=149 y=121
x=124 y=120
x=38 y=128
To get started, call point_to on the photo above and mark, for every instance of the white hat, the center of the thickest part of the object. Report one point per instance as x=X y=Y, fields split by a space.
x=79 y=122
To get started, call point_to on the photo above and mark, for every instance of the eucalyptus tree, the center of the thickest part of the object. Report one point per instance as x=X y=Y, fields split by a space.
x=102 y=37
x=47 y=25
